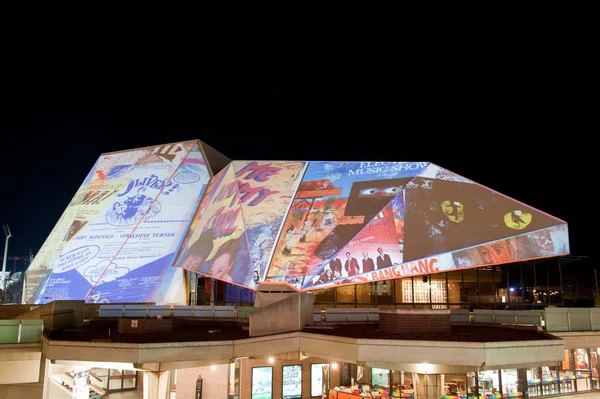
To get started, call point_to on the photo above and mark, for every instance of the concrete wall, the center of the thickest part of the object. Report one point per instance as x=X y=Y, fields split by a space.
x=583 y=339
x=23 y=391
x=62 y=314
x=20 y=363
x=16 y=311
x=215 y=382
x=289 y=314
x=268 y=293
x=246 y=375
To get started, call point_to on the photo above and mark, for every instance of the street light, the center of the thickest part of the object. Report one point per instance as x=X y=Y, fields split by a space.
x=8 y=235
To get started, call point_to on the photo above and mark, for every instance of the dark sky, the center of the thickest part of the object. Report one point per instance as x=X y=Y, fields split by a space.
x=518 y=129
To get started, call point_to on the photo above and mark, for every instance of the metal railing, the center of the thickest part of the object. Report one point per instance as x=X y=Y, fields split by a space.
x=132 y=310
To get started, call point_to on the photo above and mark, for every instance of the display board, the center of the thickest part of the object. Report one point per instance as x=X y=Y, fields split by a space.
x=291 y=381
x=262 y=382
x=316 y=379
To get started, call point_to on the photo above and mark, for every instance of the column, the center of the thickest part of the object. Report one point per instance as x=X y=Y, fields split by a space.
x=156 y=384
x=428 y=386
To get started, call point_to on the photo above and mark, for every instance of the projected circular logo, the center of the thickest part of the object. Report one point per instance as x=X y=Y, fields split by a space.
x=517 y=220
x=130 y=211
x=186 y=177
x=454 y=211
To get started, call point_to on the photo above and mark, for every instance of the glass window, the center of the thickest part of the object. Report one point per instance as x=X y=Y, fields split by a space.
x=510 y=381
x=404 y=290
x=550 y=380
x=594 y=366
x=129 y=379
x=489 y=382
x=407 y=386
x=364 y=294
x=454 y=286
x=114 y=381
x=382 y=291
x=487 y=289
x=380 y=377
x=469 y=291
x=534 y=381
x=439 y=293
x=326 y=296
x=345 y=294
x=455 y=384
x=566 y=363
x=566 y=374
x=582 y=369
x=427 y=290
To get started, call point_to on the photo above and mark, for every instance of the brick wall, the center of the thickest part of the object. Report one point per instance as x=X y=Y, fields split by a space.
x=246 y=375
x=215 y=383
x=149 y=325
x=414 y=322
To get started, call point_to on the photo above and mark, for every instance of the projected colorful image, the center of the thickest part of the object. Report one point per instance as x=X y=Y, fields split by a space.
x=117 y=238
x=266 y=190
x=379 y=251
x=377 y=246
x=334 y=201
x=310 y=224
x=448 y=215
x=218 y=246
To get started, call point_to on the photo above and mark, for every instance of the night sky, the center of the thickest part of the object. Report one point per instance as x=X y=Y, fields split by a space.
x=520 y=131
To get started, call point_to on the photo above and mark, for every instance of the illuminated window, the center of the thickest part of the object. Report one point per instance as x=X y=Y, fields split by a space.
x=437 y=287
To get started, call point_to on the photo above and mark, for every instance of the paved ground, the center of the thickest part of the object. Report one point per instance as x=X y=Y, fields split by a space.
x=126 y=395
x=589 y=395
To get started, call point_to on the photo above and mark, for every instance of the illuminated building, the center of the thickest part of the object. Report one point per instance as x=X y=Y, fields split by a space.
x=150 y=225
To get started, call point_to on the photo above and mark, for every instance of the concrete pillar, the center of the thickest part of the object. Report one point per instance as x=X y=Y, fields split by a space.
x=428 y=386
x=156 y=384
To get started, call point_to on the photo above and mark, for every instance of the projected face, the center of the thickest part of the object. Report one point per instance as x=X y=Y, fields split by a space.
x=199 y=250
x=373 y=192
x=222 y=267
x=498 y=252
x=369 y=197
x=224 y=260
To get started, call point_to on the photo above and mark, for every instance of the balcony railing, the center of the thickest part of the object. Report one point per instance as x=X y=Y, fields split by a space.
x=16 y=331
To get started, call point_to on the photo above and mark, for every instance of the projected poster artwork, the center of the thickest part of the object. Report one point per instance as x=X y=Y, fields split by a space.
x=377 y=246
x=544 y=243
x=311 y=224
x=218 y=246
x=334 y=201
x=117 y=239
x=262 y=382
x=446 y=215
x=367 y=258
x=266 y=190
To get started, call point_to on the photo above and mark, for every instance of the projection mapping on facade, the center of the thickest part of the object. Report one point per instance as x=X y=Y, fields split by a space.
x=142 y=217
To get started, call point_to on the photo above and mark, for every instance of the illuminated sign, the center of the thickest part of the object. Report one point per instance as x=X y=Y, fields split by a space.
x=262 y=382
x=291 y=381
x=317 y=382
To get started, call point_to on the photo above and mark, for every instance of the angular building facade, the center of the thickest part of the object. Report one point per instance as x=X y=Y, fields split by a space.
x=145 y=218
